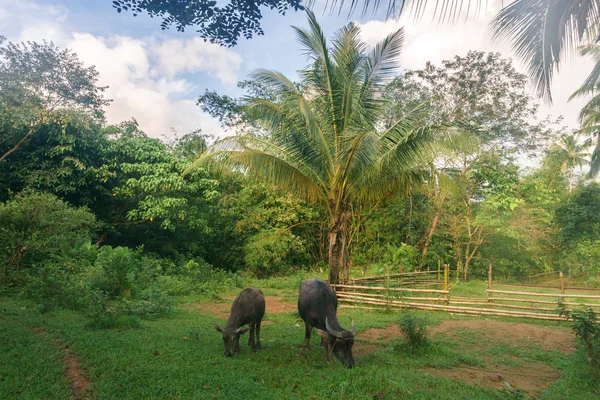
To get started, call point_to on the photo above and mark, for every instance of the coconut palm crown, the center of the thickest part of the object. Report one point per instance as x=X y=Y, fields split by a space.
x=326 y=142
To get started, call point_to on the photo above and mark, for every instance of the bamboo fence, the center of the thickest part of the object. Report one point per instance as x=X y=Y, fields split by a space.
x=414 y=290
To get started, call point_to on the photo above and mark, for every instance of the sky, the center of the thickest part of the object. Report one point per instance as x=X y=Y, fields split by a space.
x=155 y=76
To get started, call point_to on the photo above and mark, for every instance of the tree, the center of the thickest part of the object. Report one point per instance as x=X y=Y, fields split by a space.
x=219 y=24
x=482 y=90
x=325 y=144
x=570 y=154
x=41 y=84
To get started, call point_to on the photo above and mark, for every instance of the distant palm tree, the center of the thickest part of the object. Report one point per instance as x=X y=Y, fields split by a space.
x=326 y=142
x=570 y=154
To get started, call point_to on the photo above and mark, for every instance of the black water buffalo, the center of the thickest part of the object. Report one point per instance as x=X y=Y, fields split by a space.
x=248 y=309
x=317 y=304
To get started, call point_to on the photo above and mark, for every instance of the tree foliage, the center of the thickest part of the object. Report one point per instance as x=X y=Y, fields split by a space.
x=324 y=140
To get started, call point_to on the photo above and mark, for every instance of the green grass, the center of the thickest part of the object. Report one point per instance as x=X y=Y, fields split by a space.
x=155 y=361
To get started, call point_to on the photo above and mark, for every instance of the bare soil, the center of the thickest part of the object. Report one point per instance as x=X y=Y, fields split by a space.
x=548 y=338
x=532 y=377
x=360 y=349
x=274 y=305
x=77 y=378
x=392 y=331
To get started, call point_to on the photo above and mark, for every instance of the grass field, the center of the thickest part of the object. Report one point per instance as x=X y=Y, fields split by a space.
x=181 y=357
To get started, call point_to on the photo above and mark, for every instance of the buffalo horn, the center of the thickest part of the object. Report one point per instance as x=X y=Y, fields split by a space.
x=353 y=330
x=331 y=331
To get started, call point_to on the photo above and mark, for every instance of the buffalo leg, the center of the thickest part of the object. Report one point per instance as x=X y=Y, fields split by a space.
x=257 y=327
x=306 y=340
x=251 y=341
x=236 y=345
x=325 y=342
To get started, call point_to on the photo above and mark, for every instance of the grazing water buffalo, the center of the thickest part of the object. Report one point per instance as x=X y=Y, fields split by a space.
x=248 y=308
x=317 y=304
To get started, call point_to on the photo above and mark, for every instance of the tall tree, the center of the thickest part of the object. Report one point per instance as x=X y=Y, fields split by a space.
x=570 y=154
x=39 y=84
x=325 y=140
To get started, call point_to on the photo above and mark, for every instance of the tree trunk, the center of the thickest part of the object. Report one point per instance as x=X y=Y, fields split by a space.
x=338 y=251
x=431 y=230
x=571 y=180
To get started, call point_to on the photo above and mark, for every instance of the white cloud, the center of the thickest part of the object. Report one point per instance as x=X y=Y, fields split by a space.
x=144 y=76
x=196 y=55
x=25 y=20
x=433 y=42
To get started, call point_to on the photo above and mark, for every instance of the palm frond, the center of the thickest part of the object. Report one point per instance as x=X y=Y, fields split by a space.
x=544 y=32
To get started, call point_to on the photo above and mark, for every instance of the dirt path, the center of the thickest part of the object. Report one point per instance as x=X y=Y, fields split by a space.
x=274 y=305
x=77 y=378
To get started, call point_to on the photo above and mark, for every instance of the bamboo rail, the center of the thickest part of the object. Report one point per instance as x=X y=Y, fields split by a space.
x=547 y=287
x=371 y=297
x=390 y=289
x=535 y=301
x=577 y=296
x=459 y=310
x=367 y=295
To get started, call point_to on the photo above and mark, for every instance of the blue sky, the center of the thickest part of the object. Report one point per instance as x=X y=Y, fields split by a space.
x=155 y=76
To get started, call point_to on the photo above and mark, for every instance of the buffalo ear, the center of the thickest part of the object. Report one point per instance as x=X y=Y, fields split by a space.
x=219 y=328
x=241 y=331
x=322 y=333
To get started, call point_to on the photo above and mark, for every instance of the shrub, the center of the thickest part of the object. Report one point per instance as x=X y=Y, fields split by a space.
x=587 y=328
x=415 y=331
x=36 y=228
x=121 y=272
x=275 y=252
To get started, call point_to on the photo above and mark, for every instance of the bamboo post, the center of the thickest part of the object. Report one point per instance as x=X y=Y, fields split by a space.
x=562 y=286
x=490 y=284
x=446 y=276
x=439 y=270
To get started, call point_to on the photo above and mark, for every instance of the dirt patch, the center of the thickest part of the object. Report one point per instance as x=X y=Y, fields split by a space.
x=363 y=349
x=79 y=382
x=548 y=338
x=381 y=334
x=532 y=377
x=39 y=331
x=274 y=305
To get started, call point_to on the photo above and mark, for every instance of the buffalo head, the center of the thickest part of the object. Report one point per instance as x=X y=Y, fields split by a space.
x=340 y=342
x=231 y=338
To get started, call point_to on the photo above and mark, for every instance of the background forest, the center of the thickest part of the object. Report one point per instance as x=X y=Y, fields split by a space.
x=91 y=213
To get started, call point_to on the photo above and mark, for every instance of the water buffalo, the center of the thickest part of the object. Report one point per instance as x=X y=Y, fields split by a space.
x=317 y=304
x=247 y=308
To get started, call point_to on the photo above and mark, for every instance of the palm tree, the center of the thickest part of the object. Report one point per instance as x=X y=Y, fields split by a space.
x=326 y=142
x=589 y=118
x=543 y=32
x=571 y=154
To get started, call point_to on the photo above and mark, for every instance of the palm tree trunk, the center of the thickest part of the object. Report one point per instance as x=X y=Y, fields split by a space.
x=571 y=180
x=338 y=251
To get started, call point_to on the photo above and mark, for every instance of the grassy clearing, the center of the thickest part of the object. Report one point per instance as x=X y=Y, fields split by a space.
x=180 y=356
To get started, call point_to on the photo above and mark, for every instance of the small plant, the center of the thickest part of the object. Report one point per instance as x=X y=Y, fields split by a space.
x=512 y=393
x=415 y=331
x=587 y=328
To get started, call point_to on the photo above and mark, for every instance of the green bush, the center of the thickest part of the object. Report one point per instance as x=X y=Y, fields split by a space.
x=275 y=252
x=586 y=325
x=415 y=331
x=121 y=272
x=38 y=228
